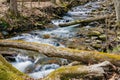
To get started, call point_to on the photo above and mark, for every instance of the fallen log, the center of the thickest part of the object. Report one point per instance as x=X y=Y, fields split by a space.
x=71 y=54
x=98 y=18
x=82 y=72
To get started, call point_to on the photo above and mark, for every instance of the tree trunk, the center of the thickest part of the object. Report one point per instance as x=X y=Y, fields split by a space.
x=117 y=9
x=71 y=54
x=22 y=6
x=86 y=20
x=13 y=7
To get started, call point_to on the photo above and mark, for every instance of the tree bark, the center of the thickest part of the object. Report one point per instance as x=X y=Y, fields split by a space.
x=13 y=7
x=117 y=9
x=71 y=54
x=86 y=20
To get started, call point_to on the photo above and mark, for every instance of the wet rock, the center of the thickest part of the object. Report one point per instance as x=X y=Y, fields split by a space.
x=98 y=41
x=94 y=37
x=1 y=36
x=97 y=46
x=48 y=60
x=118 y=37
x=94 y=33
x=102 y=37
x=57 y=44
x=88 y=41
x=116 y=50
x=9 y=56
x=10 y=59
x=5 y=33
x=49 y=66
x=46 y=36
x=93 y=24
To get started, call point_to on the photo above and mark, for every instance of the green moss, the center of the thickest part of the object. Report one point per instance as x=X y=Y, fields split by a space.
x=116 y=49
x=8 y=72
x=4 y=24
x=68 y=72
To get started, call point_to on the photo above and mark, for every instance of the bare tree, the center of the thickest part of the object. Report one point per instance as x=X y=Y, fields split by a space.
x=117 y=9
x=13 y=7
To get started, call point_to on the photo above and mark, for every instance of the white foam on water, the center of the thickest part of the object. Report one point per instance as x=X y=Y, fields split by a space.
x=79 y=12
x=22 y=65
x=41 y=74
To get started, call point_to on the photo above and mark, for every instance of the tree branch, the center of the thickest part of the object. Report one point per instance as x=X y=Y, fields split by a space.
x=86 y=20
x=71 y=54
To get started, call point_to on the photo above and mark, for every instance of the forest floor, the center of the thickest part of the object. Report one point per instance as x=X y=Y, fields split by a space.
x=103 y=37
x=28 y=5
x=33 y=15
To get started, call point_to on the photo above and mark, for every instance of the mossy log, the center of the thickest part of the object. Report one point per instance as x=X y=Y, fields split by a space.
x=98 y=18
x=71 y=54
x=8 y=72
x=92 y=72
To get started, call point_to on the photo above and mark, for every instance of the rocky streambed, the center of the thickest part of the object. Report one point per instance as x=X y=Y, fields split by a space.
x=96 y=35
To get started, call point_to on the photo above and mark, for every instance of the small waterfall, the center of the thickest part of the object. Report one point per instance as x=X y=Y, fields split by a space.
x=41 y=74
x=44 y=70
x=21 y=58
x=56 y=37
x=22 y=65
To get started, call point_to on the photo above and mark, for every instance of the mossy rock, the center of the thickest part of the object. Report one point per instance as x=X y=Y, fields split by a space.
x=94 y=33
x=116 y=50
x=8 y=72
x=46 y=36
x=102 y=37
x=97 y=46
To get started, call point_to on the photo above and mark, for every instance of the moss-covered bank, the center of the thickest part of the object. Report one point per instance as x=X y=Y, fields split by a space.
x=8 y=72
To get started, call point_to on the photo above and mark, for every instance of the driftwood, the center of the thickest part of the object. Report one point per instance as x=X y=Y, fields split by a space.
x=71 y=54
x=86 y=20
x=92 y=72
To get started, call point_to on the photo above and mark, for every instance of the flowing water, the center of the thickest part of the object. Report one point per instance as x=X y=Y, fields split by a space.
x=53 y=37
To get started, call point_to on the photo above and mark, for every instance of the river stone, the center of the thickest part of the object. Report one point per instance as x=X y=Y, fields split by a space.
x=88 y=41
x=93 y=24
x=5 y=33
x=94 y=33
x=9 y=56
x=46 y=36
x=48 y=60
x=102 y=37
x=118 y=33
x=98 y=41
x=1 y=36
x=94 y=37
x=97 y=45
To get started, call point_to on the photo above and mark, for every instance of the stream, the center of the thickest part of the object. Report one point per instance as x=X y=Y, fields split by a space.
x=55 y=36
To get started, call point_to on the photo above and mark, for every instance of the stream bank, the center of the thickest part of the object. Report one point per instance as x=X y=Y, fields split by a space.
x=32 y=19
x=89 y=36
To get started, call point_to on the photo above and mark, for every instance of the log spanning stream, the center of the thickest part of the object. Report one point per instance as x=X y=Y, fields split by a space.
x=54 y=36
